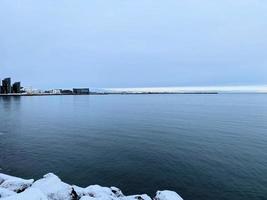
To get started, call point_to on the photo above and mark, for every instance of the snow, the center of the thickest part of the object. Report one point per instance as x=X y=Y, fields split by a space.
x=5 y=192
x=13 y=183
x=137 y=197
x=95 y=191
x=53 y=187
x=88 y=198
x=116 y=191
x=167 y=195
x=50 y=187
x=29 y=194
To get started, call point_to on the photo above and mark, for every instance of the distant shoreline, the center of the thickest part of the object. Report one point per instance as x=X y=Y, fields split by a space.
x=130 y=93
x=107 y=93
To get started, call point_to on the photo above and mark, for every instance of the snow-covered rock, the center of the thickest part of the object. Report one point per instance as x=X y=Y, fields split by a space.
x=29 y=194
x=97 y=192
x=50 y=187
x=53 y=187
x=137 y=197
x=167 y=195
x=117 y=191
x=87 y=198
x=13 y=183
x=5 y=192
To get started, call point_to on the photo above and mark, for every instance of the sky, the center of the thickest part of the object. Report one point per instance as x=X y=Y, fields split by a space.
x=133 y=43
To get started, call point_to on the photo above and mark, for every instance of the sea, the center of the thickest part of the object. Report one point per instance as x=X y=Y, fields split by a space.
x=203 y=146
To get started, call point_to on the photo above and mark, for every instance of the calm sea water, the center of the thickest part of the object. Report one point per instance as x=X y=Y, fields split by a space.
x=201 y=146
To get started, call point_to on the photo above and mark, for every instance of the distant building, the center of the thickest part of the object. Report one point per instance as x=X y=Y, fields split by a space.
x=36 y=91
x=66 y=92
x=56 y=91
x=16 y=87
x=27 y=90
x=81 y=91
x=6 y=86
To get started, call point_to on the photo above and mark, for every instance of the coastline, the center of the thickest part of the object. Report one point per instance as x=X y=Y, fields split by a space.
x=131 y=93
x=50 y=187
x=106 y=93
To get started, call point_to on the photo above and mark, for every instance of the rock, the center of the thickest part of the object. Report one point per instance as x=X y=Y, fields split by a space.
x=96 y=192
x=137 y=197
x=13 y=183
x=50 y=187
x=29 y=194
x=53 y=187
x=88 y=198
x=167 y=195
x=117 y=191
x=5 y=193
x=74 y=195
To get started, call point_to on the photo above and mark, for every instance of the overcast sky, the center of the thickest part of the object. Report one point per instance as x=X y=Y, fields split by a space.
x=133 y=43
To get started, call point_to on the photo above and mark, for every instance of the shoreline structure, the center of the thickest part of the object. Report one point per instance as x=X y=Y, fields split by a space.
x=15 y=89
x=144 y=91
x=50 y=187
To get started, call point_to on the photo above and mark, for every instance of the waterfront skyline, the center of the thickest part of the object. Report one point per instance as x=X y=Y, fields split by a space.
x=133 y=43
x=6 y=87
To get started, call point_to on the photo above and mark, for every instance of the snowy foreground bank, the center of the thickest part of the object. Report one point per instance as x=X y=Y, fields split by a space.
x=50 y=187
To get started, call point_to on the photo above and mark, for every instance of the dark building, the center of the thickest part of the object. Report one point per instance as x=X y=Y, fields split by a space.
x=16 y=87
x=66 y=92
x=6 y=86
x=80 y=91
